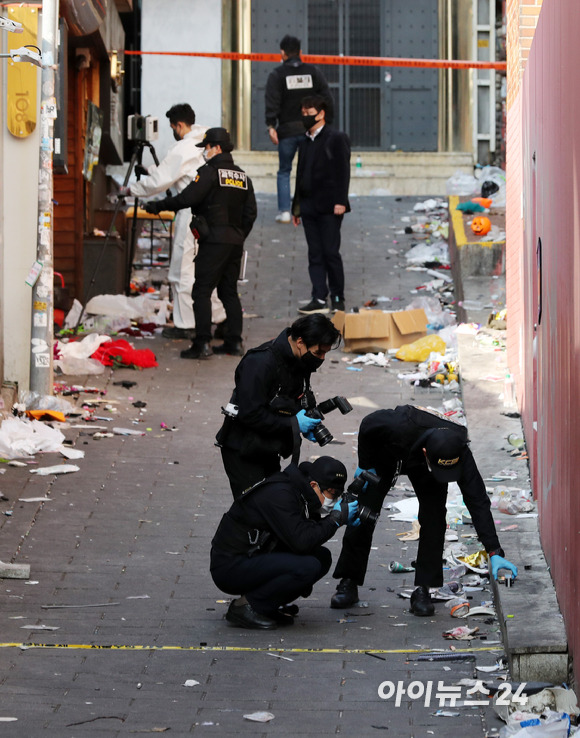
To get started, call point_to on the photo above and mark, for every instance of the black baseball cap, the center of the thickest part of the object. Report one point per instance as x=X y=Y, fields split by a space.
x=445 y=451
x=328 y=472
x=215 y=136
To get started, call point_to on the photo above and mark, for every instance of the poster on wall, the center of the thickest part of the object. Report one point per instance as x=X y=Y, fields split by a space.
x=92 y=140
x=21 y=77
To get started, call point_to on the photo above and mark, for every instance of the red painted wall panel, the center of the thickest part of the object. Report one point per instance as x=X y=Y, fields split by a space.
x=546 y=357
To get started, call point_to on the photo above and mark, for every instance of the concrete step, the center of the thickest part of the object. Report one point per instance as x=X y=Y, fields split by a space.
x=381 y=172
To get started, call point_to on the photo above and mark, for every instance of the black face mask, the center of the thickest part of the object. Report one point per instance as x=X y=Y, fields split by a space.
x=310 y=362
x=176 y=135
x=309 y=121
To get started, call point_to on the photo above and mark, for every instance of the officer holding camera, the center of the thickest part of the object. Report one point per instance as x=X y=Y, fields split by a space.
x=223 y=203
x=268 y=409
x=432 y=451
x=268 y=546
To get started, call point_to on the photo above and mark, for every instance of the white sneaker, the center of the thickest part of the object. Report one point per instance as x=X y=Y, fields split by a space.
x=283 y=217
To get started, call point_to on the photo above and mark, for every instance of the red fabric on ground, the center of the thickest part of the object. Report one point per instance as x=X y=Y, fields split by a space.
x=121 y=353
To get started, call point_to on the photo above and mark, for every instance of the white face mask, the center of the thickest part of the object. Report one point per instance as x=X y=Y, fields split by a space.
x=327 y=506
x=206 y=153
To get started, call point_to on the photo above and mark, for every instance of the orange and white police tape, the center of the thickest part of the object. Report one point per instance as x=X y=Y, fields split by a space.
x=356 y=61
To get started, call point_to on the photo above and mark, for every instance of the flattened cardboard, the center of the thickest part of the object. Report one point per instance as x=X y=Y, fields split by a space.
x=379 y=330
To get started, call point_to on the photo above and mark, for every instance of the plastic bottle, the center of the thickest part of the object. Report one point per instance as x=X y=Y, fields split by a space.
x=509 y=391
x=358 y=166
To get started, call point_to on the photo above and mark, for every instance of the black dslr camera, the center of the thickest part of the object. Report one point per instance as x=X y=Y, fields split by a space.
x=366 y=515
x=321 y=432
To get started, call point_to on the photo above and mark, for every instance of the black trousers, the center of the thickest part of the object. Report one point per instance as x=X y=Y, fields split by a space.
x=243 y=473
x=324 y=260
x=356 y=543
x=270 y=580
x=217 y=265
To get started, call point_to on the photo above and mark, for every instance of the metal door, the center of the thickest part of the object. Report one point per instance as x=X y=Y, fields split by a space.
x=379 y=107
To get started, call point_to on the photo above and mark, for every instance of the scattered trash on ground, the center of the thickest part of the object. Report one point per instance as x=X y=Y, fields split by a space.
x=260 y=717
x=463 y=633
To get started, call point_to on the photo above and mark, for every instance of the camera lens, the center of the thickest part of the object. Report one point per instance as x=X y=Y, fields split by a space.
x=367 y=516
x=322 y=435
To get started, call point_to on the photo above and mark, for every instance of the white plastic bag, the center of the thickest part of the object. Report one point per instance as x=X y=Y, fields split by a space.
x=461 y=183
x=424 y=253
x=121 y=306
x=20 y=437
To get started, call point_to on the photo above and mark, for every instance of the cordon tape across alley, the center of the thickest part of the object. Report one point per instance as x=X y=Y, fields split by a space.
x=356 y=61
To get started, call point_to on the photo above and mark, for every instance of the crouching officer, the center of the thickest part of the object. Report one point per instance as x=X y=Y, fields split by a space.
x=432 y=451
x=222 y=200
x=268 y=546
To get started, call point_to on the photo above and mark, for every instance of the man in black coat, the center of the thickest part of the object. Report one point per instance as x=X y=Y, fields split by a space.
x=268 y=546
x=285 y=88
x=320 y=202
x=432 y=451
x=266 y=414
x=222 y=200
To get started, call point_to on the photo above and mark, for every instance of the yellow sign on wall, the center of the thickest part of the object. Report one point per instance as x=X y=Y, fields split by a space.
x=21 y=77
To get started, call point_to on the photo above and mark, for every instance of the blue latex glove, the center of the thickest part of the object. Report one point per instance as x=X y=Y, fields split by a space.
x=359 y=471
x=498 y=562
x=310 y=437
x=346 y=513
x=305 y=423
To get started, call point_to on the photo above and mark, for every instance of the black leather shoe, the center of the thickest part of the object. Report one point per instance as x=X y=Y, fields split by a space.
x=231 y=349
x=290 y=609
x=421 y=603
x=346 y=594
x=197 y=351
x=244 y=616
x=282 y=618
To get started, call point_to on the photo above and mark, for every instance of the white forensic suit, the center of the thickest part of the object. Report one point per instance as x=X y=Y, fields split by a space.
x=177 y=170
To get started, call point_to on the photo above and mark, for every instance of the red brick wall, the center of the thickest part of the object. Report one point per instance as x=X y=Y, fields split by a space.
x=543 y=203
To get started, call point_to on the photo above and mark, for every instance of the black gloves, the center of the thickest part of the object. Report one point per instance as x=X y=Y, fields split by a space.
x=141 y=171
x=345 y=513
x=153 y=207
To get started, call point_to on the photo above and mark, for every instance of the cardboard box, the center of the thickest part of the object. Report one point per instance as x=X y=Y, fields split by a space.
x=379 y=330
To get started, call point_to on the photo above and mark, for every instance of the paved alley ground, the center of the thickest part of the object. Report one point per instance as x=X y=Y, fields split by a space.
x=120 y=611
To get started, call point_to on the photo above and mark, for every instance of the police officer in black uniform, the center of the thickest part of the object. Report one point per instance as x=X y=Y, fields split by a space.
x=222 y=200
x=432 y=451
x=267 y=410
x=268 y=546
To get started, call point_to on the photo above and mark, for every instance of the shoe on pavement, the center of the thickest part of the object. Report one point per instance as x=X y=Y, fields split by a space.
x=336 y=303
x=283 y=217
x=197 y=351
x=421 y=603
x=231 y=349
x=282 y=618
x=290 y=609
x=314 y=306
x=244 y=616
x=174 y=332
x=346 y=594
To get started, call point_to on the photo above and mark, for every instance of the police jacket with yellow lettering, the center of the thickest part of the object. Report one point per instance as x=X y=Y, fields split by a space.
x=223 y=195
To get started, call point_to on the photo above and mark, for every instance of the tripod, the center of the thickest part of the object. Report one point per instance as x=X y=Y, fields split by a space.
x=136 y=159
